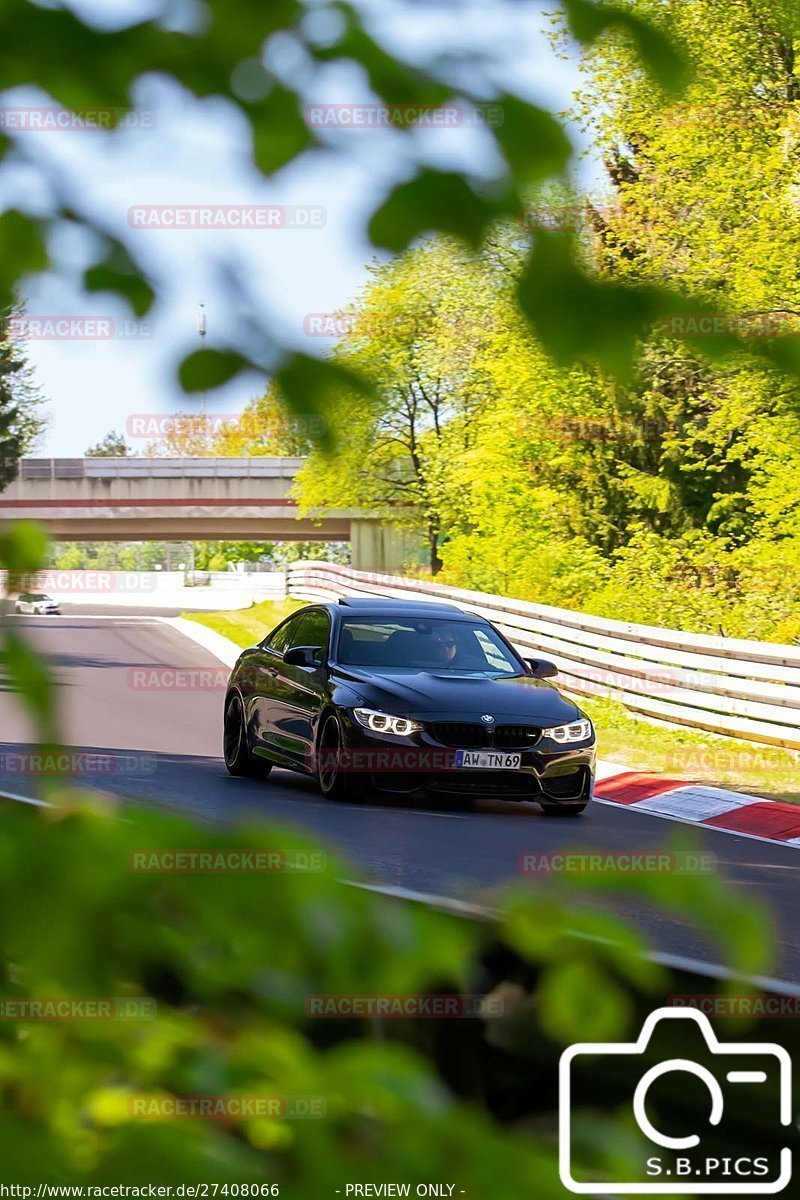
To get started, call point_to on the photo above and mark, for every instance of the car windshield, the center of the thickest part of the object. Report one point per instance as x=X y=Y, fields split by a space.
x=429 y=644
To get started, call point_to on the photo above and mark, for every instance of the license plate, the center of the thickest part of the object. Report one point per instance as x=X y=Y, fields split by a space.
x=488 y=760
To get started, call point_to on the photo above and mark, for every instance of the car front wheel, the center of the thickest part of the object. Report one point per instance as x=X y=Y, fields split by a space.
x=238 y=759
x=331 y=777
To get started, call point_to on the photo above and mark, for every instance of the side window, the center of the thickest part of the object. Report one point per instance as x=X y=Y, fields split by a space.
x=282 y=638
x=496 y=657
x=312 y=629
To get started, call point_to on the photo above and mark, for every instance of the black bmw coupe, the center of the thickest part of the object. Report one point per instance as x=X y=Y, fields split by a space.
x=406 y=697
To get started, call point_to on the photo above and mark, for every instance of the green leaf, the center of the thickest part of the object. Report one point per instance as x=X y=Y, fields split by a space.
x=205 y=370
x=396 y=82
x=133 y=288
x=581 y=318
x=578 y=1002
x=29 y=675
x=117 y=272
x=430 y=202
x=22 y=252
x=533 y=141
x=587 y=22
x=23 y=549
x=280 y=133
x=311 y=387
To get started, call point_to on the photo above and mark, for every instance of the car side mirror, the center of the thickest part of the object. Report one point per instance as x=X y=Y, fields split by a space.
x=303 y=656
x=541 y=668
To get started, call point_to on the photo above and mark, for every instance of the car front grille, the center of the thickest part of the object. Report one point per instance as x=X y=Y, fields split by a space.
x=462 y=735
x=467 y=735
x=516 y=737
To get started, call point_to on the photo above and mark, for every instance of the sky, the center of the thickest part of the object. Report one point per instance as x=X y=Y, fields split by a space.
x=108 y=370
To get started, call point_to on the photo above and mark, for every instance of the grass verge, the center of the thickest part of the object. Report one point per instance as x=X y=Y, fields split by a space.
x=246 y=626
x=693 y=755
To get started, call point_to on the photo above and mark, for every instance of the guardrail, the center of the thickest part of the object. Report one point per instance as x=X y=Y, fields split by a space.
x=730 y=686
x=265 y=585
x=158 y=468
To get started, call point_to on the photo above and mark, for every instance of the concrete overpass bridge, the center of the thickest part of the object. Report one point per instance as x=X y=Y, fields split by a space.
x=189 y=499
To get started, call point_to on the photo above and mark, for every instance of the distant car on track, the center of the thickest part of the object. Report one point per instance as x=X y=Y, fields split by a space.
x=36 y=602
x=406 y=697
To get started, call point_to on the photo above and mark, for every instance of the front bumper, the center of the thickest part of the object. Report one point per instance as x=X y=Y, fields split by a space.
x=405 y=765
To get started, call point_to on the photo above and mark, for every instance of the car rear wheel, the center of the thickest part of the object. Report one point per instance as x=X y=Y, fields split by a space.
x=238 y=759
x=563 y=810
x=332 y=781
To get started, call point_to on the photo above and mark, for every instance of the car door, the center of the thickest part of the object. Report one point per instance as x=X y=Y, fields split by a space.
x=262 y=682
x=300 y=691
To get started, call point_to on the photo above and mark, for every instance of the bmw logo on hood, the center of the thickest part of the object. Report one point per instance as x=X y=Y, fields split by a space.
x=488 y=718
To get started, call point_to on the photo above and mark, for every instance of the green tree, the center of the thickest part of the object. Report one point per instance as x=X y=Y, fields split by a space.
x=415 y=338
x=21 y=419
x=266 y=428
x=113 y=445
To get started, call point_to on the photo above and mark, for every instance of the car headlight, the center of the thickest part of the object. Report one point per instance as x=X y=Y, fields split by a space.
x=578 y=731
x=381 y=722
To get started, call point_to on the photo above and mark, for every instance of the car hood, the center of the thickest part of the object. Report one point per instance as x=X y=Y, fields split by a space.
x=438 y=695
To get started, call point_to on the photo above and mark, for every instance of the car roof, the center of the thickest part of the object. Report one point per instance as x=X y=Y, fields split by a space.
x=387 y=606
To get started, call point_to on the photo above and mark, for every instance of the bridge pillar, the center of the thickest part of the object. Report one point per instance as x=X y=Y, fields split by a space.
x=383 y=548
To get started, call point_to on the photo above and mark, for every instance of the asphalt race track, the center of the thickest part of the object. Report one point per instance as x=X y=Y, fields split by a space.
x=175 y=736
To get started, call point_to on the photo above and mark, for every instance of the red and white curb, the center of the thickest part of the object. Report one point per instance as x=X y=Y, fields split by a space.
x=697 y=804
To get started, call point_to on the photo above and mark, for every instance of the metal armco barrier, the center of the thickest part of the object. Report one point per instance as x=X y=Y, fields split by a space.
x=731 y=686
